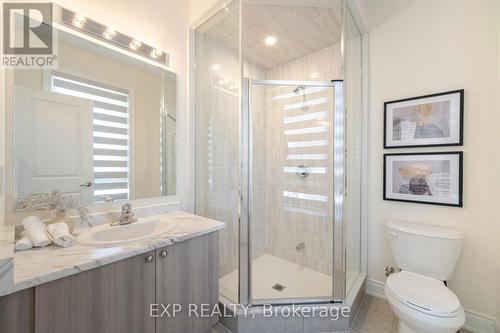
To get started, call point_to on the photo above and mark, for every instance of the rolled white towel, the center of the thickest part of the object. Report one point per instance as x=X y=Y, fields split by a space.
x=59 y=233
x=24 y=243
x=36 y=231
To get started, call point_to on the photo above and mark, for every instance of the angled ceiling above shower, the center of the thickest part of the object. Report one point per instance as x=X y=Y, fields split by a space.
x=300 y=27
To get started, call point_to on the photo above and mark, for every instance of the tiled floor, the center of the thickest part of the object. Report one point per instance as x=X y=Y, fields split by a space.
x=374 y=316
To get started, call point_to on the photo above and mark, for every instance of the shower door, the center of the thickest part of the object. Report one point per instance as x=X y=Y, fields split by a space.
x=292 y=192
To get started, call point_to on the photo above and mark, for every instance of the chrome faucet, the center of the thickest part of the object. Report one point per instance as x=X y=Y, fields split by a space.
x=126 y=216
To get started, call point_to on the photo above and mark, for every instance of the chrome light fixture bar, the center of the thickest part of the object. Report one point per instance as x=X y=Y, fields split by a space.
x=106 y=33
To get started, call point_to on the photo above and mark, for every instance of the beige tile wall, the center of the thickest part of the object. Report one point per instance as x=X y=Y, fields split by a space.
x=286 y=224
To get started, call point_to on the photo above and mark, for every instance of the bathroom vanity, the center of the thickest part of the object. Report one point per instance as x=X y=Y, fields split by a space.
x=113 y=289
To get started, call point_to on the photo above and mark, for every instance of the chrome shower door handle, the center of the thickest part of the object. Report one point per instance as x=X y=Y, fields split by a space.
x=87 y=184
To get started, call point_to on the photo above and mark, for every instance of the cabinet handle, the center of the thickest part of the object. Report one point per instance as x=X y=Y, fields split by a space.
x=163 y=253
x=149 y=258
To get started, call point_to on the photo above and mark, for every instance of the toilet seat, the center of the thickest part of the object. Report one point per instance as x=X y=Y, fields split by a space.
x=423 y=294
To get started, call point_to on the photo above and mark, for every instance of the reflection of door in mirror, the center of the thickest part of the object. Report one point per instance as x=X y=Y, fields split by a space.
x=53 y=145
x=110 y=134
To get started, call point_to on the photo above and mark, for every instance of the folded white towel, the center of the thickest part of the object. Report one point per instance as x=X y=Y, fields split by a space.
x=59 y=233
x=24 y=243
x=36 y=231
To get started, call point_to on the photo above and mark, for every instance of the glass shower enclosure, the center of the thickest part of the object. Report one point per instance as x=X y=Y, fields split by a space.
x=288 y=147
x=277 y=157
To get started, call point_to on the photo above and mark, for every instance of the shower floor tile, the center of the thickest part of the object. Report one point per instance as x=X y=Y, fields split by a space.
x=269 y=271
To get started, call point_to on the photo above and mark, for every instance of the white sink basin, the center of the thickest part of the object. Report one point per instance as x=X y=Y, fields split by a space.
x=107 y=235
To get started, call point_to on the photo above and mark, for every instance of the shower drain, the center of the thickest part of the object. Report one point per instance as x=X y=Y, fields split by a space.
x=278 y=287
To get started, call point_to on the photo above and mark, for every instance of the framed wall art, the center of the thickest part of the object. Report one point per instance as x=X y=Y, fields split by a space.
x=430 y=178
x=425 y=121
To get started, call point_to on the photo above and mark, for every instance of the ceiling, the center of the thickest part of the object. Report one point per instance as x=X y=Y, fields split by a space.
x=299 y=30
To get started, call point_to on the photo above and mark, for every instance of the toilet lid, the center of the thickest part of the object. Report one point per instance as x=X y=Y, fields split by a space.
x=423 y=293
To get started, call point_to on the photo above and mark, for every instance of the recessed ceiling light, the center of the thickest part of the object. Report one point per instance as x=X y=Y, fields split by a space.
x=215 y=67
x=270 y=40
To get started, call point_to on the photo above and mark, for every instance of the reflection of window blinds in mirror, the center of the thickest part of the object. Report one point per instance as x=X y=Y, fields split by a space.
x=111 y=133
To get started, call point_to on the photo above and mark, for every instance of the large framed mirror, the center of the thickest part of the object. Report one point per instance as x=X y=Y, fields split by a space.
x=99 y=128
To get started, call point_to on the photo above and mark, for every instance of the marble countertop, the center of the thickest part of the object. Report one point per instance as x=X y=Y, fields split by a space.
x=38 y=266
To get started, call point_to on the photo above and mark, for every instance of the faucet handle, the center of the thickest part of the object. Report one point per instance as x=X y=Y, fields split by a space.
x=127 y=208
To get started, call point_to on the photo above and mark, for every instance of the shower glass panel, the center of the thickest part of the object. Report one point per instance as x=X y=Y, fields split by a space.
x=353 y=93
x=217 y=86
x=291 y=140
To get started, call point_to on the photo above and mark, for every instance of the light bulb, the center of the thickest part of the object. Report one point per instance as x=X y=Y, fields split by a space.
x=156 y=53
x=135 y=44
x=110 y=33
x=79 y=20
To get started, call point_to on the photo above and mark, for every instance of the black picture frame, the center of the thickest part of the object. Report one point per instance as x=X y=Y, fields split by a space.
x=460 y=141
x=460 y=178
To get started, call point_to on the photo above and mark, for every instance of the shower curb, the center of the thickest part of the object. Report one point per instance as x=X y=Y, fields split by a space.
x=254 y=321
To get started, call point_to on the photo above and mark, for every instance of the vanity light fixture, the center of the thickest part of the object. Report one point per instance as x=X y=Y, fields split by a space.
x=270 y=40
x=88 y=26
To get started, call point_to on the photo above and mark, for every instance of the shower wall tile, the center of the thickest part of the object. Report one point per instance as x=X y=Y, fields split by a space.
x=294 y=220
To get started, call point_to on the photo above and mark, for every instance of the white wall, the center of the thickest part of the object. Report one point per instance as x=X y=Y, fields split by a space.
x=161 y=23
x=432 y=46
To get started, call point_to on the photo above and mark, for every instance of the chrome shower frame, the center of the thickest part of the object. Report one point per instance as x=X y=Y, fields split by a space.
x=245 y=250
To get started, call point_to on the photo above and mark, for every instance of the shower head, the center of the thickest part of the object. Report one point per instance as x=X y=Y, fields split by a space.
x=297 y=90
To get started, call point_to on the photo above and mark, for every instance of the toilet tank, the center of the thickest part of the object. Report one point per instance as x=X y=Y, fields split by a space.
x=424 y=249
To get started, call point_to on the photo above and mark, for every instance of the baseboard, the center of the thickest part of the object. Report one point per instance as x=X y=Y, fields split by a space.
x=474 y=322
x=375 y=288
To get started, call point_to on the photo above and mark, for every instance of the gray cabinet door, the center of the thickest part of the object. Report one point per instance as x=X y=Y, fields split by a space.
x=113 y=298
x=17 y=312
x=188 y=276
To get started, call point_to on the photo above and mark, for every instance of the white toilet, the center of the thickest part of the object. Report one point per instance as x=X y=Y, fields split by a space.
x=418 y=296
